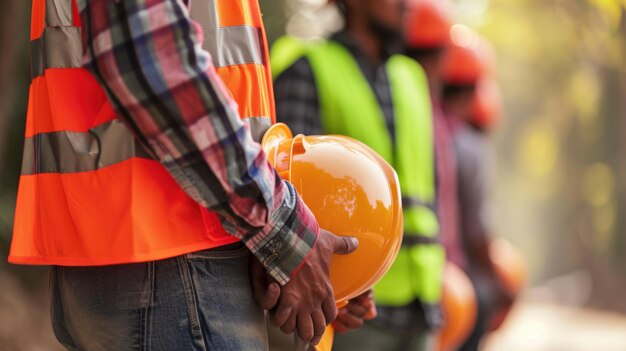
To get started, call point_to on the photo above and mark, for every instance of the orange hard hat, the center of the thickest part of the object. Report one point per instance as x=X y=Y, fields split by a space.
x=352 y=191
x=427 y=24
x=487 y=106
x=468 y=59
x=458 y=301
x=326 y=344
x=509 y=265
x=511 y=271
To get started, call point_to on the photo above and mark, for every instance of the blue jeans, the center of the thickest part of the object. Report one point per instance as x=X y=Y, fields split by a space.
x=199 y=301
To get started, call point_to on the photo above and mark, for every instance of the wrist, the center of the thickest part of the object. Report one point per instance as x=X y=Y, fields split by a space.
x=292 y=235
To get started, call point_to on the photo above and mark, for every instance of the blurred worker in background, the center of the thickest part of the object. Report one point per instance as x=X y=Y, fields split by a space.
x=470 y=96
x=355 y=84
x=144 y=188
x=427 y=37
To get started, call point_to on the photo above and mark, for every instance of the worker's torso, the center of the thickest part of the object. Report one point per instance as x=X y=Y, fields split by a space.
x=473 y=179
x=89 y=194
x=447 y=202
x=349 y=106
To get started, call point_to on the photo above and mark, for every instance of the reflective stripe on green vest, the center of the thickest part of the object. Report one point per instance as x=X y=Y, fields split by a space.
x=349 y=107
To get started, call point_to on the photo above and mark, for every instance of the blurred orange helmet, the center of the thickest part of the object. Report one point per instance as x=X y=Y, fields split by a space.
x=487 y=106
x=352 y=191
x=427 y=24
x=468 y=59
x=509 y=264
x=459 y=307
x=511 y=271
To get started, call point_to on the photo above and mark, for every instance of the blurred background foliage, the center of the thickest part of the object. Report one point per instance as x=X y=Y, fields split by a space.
x=558 y=191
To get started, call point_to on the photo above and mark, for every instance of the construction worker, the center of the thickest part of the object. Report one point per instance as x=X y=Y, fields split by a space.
x=427 y=36
x=470 y=96
x=354 y=85
x=146 y=192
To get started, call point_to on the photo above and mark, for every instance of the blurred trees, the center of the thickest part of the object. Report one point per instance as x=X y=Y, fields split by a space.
x=561 y=149
x=14 y=73
x=274 y=17
x=24 y=316
x=14 y=82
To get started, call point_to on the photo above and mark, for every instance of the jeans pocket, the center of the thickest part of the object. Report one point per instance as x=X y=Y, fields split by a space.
x=125 y=287
x=105 y=308
x=57 y=316
x=231 y=251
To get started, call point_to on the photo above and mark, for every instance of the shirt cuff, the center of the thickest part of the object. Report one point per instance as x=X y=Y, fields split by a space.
x=290 y=235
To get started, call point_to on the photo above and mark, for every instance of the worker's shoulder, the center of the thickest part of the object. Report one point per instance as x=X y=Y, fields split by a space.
x=288 y=58
x=300 y=69
x=407 y=63
x=294 y=58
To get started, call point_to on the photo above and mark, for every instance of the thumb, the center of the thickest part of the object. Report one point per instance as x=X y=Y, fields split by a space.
x=272 y=293
x=266 y=294
x=344 y=245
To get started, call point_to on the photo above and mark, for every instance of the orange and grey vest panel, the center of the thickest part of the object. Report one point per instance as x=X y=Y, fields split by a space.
x=235 y=37
x=88 y=193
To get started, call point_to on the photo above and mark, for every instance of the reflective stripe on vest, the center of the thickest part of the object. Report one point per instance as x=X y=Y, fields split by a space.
x=89 y=194
x=349 y=107
x=70 y=152
x=58 y=47
x=59 y=13
x=55 y=38
x=409 y=201
x=238 y=47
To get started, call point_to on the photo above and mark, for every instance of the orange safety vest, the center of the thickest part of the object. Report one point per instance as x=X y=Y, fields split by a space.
x=88 y=194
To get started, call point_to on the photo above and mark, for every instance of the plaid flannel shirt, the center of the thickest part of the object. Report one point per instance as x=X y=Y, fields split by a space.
x=148 y=57
x=297 y=100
